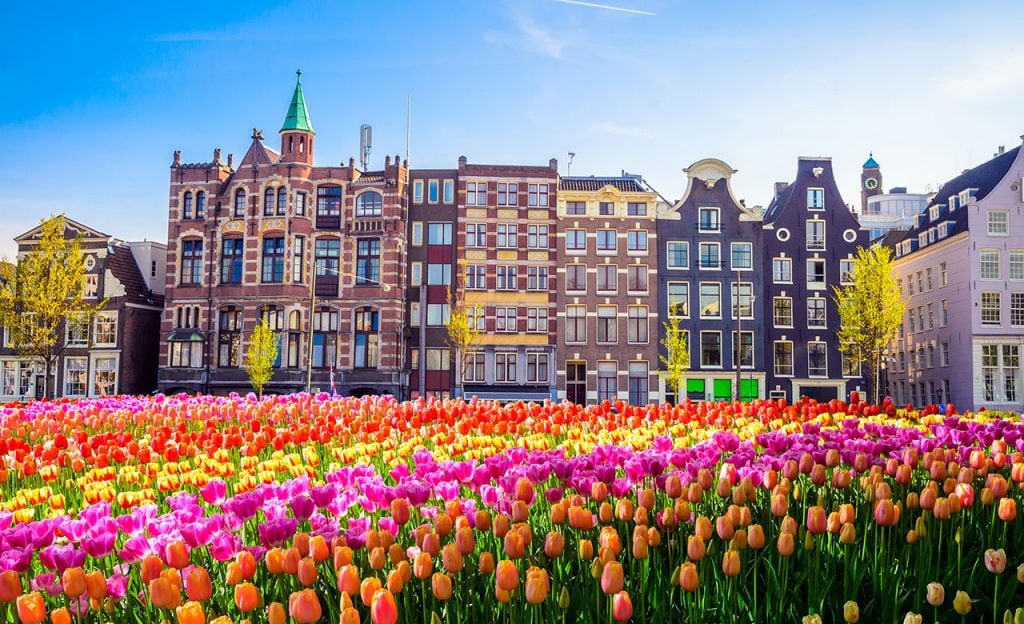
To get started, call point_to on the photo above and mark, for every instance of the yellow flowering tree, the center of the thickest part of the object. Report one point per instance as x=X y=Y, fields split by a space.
x=676 y=360
x=871 y=309
x=463 y=327
x=261 y=355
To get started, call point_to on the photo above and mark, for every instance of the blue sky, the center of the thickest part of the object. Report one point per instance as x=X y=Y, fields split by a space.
x=97 y=97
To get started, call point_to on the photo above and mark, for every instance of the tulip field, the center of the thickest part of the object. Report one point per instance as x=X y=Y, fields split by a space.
x=312 y=508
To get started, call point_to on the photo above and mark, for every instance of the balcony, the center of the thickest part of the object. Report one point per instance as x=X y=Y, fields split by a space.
x=363 y=225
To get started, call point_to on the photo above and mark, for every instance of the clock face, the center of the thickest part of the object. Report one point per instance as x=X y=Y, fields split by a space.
x=871 y=184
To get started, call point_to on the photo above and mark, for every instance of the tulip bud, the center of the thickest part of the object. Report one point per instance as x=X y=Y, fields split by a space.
x=851 y=611
x=622 y=607
x=811 y=619
x=936 y=594
x=688 y=577
x=962 y=603
x=995 y=560
x=1018 y=616
x=563 y=599
x=912 y=618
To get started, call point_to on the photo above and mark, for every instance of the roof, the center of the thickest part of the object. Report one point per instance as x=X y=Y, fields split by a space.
x=890 y=238
x=121 y=264
x=871 y=163
x=298 y=116
x=626 y=184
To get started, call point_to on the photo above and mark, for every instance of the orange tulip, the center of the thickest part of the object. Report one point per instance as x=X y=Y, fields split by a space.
x=586 y=548
x=274 y=560
x=695 y=548
x=176 y=555
x=507 y=576
x=10 y=586
x=307 y=572
x=191 y=613
x=31 y=609
x=276 y=613
x=755 y=537
x=817 y=520
x=394 y=582
x=612 y=578
x=304 y=606
x=486 y=563
x=785 y=544
x=247 y=562
x=198 y=586
x=1007 y=509
x=554 y=544
x=150 y=568
x=318 y=548
x=400 y=511
x=301 y=542
x=423 y=566
x=451 y=558
x=688 y=577
x=73 y=581
x=96 y=585
x=731 y=563
x=383 y=609
x=60 y=616
x=368 y=588
x=348 y=580
x=622 y=607
x=537 y=585
x=247 y=597
x=349 y=616
x=441 y=585
x=163 y=594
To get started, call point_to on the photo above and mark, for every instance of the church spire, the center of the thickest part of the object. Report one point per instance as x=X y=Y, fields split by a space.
x=297 y=119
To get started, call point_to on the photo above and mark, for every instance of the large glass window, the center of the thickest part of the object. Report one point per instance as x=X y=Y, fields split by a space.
x=816 y=235
x=268 y=202
x=537 y=237
x=537 y=320
x=476 y=277
x=816 y=312
x=638 y=324
x=638 y=383
x=371 y=204
x=576 y=323
x=742 y=256
x=678 y=299
x=273 y=316
x=537 y=278
x=1017 y=309
x=294 y=338
x=815 y=198
x=75 y=376
x=282 y=201
x=710 y=348
x=575 y=240
x=743 y=300
x=476 y=235
x=200 y=205
x=607 y=324
x=105 y=329
x=476 y=368
x=745 y=344
x=231 y=260
x=191 y=262
x=576 y=277
x=537 y=366
x=607 y=381
x=576 y=382
x=817 y=359
x=186 y=353
x=366 y=338
x=708 y=220
x=990 y=264
x=507 y=277
x=538 y=195
x=186 y=209
x=677 y=255
x=505 y=368
x=476 y=193
x=368 y=261
x=439 y=233
x=239 y=204
x=991 y=308
x=325 y=338
x=998 y=222
x=328 y=206
x=710 y=257
x=575 y=208
x=636 y=241
x=607 y=241
x=439 y=274
x=607 y=278
x=229 y=336
x=273 y=260
x=636 y=209
x=506 y=319
x=298 y=252
x=508 y=235
x=636 y=278
x=816 y=273
x=783 y=358
x=782 y=270
x=508 y=194
x=710 y=300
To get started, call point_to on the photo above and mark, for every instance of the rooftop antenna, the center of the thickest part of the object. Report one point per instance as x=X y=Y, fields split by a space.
x=568 y=166
x=365 y=144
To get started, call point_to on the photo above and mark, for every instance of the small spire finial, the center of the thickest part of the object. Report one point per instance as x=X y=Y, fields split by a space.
x=298 y=73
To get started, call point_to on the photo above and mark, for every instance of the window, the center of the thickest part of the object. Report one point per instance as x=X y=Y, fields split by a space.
x=817 y=360
x=606 y=209
x=931 y=356
x=607 y=278
x=191 y=262
x=438 y=360
x=746 y=349
x=537 y=278
x=433 y=191
x=201 y=205
x=1017 y=309
x=475 y=368
x=816 y=273
x=846 y=271
x=815 y=235
x=944 y=354
x=910 y=316
x=636 y=209
x=575 y=240
x=1001 y=376
x=783 y=311
x=294 y=338
x=92 y=286
x=782 y=270
x=186 y=209
x=300 y=203
x=282 y=201
x=327 y=252
x=929 y=278
x=636 y=241
x=575 y=323
x=710 y=348
x=576 y=382
x=476 y=235
x=607 y=324
x=607 y=381
x=537 y=320
x=417 y=233
x=231 y=255
x=944 y=313
x=239 y=204
x=476 y=193
x=637 y=324
x=537 y=237
x=417 y=191
x=816 y=312
x=743 y=299
x=606 y=241
x=273 y=260
x=815 y=199
x=998 y=222
x=638 y=383
x=366 y=338
x=74 y=376
x=476 y=277
x=851 y=368
x=742 y=256
x=268 y=202
x=910 y=284
x=507 y=277
x=439 y=234
x=476 y=316
x=187 y=353
x=709 y=255
x=678 y=304
x=710 y=300
x=298 y=251
x=506 y=319
x=1011 y=372
x=576 y=277
x=677 y=255
x=708 y=220
x=505 y=368
x=1017 y=264
x=920 y=282
x=449 y=191
x=508 y=235
x=229 y=336
x=438 y=314
x=439 y=274
x=368 y=261
x=990 y=264
x=575 y=208
x=328 y=206
x=537 y=365
x=273 y=316
x=76 y=331
x=508 y=194
x=538 y=195
x=636 y=278
x=370 y=203
x=325 y=338
x=783 y=358
x=991 y=304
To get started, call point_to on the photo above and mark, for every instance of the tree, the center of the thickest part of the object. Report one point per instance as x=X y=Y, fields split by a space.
x=44 y=293
x=871 y=308
x=261 y=355
x=676 y=360
x=463 y=329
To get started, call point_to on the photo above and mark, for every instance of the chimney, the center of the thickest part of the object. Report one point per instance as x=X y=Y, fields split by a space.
x=387 y=160
x=1002 y=150
x=462 y=161
x=553 y=164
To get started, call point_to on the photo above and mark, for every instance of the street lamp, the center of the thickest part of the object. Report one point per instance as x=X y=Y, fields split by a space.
x=312 y=310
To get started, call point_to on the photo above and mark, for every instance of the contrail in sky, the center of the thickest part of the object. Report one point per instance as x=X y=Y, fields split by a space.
x=607 y=7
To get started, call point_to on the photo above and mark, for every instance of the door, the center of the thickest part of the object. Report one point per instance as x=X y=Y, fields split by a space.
x=722 y=389
x=576 y=382
x=748 y=389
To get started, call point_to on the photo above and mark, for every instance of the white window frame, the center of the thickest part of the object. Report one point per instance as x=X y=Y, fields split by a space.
x=816 y=243
x=669 y=255
x=106 y=314
x=792 y=358
x=700 y=255
x=94 y=371
x=449 y=191
x=417 y=233
x=84 y=371
x=732 y=256
x=716 y=222
x=775 y=317
x=721 y=350
x=824 y=309
x=700 y=297
x=989 y=264
x=685 y=298
x=815 y=198
x=1003 y=229
x=995 y=313
x=824 y=346
x=417 y=191
x=782 y=262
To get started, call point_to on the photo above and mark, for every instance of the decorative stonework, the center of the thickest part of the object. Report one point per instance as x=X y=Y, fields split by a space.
x=233 y=226
x=272 y=224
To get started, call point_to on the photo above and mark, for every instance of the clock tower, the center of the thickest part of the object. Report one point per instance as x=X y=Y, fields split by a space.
x=870 y=182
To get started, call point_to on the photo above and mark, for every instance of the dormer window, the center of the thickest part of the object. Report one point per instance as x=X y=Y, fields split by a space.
x=954 y=203
x=965 y=196
x=922 y=239
x=931 y=235
x=933 y=213
x=943 y=230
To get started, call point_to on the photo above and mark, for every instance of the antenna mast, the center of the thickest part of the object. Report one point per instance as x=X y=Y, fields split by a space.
x=365 y=144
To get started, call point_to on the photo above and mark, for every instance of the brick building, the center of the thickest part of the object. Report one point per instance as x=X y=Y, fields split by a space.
x=607 y=293
x=116 y=351
x=506 y=226
x=255 y=241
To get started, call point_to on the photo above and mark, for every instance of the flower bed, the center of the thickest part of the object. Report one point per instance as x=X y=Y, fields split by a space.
x=313 y=508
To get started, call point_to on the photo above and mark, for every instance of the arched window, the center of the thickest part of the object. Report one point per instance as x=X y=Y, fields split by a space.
x=186 y=210
x=282 y=200
x=232 y=250
x=200 y=205
x=367 y=326
x=239 y=204
x=369 y=204
x=191 y=262
x=268 y=202
x=229 y=336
